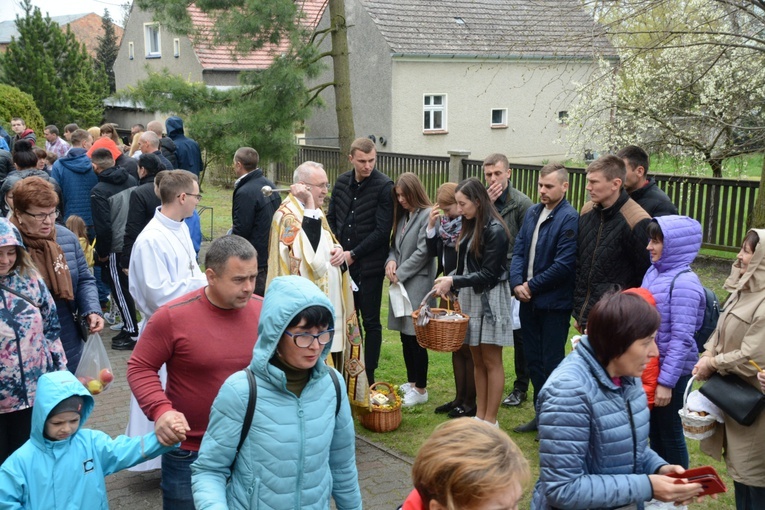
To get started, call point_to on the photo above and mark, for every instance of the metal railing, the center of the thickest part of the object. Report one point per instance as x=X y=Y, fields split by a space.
x=722 y=206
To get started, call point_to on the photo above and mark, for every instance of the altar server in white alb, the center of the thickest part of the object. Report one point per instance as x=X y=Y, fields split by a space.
x=163 y=266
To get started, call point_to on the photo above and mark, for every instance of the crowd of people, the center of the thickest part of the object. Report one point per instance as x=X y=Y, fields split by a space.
x=245 y=376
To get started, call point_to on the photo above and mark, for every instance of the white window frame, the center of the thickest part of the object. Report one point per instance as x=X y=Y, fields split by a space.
x=429 y=106
x=176 y=47
x=502 y=123
x=148 y=30
x=131 y=50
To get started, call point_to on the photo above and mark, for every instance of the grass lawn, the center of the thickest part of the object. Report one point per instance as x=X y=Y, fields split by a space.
x=419 y=422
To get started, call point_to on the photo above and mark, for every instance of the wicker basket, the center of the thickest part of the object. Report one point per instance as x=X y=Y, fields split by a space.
x=379 y=419
x=694 y=426
x=441 y=335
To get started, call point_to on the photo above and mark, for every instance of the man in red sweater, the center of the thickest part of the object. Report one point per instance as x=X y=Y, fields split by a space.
x=203 y=337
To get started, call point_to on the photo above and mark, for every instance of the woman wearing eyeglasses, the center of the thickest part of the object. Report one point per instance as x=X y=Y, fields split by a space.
x=299 y=451
x=57 y=253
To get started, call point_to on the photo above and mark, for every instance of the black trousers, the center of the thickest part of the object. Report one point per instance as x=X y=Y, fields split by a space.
x=416 y=361
x=117 y=280
x=368 y=300
x=15 y=428
x=522 y=376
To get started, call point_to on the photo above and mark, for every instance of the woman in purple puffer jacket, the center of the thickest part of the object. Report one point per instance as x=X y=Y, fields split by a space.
x=674 y=242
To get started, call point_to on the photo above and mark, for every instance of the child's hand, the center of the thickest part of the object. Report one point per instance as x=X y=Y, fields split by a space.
x=171 y=428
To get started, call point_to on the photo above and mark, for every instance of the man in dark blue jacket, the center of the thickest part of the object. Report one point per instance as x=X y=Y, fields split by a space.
x=542 y=275
x=186 y=150
x=74 y=173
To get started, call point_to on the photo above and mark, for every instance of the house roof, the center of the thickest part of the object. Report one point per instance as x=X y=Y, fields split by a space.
x=489 y=28
x=222 y=57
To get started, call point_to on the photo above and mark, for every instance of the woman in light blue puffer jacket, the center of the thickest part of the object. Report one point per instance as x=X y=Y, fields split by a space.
x=593 y=418
x=300 y=449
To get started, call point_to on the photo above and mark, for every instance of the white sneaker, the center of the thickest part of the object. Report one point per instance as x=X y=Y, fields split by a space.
x=414 y=397
x=406 y=387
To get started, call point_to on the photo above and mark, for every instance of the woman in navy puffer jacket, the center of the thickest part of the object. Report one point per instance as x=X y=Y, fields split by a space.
x=593 y=418
x=674 y=242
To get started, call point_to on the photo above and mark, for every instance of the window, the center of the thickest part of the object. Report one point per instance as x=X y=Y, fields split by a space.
x=152 y=41
x=176 y=47
x=131 y=50
x=434 y=113
x=563 y=118
x=499 y=118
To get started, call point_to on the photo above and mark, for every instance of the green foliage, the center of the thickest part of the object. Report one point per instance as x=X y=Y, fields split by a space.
x=107 y=50
x=15 y=103
x=55 y=70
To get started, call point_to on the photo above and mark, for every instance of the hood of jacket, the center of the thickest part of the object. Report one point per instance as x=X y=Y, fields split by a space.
x=682 y=241
x=114 y=175
x=286 y=297
x=167 y=144
x=77 y=161
x=174 y=127
x=52 y=388
x=753 y=280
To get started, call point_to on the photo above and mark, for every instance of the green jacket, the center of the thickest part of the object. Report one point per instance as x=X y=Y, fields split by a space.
x=512 y=210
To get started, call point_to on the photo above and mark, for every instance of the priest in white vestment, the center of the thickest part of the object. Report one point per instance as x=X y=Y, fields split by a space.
x=302 y=244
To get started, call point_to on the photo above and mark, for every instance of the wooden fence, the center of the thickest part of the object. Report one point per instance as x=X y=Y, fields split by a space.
x=722 y=206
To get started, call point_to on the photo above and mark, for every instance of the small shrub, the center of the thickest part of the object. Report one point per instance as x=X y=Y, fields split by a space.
x=15 y=103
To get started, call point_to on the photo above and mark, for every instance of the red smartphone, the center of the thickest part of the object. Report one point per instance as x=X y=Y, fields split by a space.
x=706 y=476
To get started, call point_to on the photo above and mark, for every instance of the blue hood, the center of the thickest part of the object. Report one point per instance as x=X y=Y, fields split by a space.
x=77 y=161
x=682 y=241
x=174 y=127
x=285 y=298
x=52 y=388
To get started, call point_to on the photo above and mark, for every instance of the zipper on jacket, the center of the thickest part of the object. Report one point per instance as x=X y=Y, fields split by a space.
x=634 y=434
x=589 y=276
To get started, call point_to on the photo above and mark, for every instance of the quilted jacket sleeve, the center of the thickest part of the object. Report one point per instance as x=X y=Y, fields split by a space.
x=683 y=311
x=342 y=457
x=565 y=421
x=212 y=468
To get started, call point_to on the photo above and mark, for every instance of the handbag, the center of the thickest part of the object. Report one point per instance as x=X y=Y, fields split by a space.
x=737 y=398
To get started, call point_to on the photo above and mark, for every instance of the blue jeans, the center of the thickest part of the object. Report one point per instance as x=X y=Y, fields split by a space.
x=666 y=434
x=176 y=479
x=544 y=342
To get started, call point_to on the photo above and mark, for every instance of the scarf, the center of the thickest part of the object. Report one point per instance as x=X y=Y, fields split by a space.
x=450 y=230
x=50 y=261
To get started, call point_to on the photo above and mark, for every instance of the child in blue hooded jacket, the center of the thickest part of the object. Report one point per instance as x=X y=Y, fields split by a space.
x=62 y=465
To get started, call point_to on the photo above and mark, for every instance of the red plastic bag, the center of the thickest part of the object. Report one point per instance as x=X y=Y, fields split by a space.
x=95 y=369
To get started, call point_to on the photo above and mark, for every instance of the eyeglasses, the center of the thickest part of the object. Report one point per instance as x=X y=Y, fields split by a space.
x=327 y=186
x=198 y=196
x=43 y=216
x=305 y=340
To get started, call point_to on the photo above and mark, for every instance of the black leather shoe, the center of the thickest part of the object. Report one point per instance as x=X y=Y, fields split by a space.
x=527 y=427
x=515 y=398
x=445 y=408
x=461 y=411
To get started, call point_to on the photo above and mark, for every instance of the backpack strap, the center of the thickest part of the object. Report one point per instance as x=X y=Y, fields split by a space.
x=672 y=285
x=253 y=397
x=338 y=397
x=19 y=294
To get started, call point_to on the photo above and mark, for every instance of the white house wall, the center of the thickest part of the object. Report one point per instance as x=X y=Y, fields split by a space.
x=532 y=91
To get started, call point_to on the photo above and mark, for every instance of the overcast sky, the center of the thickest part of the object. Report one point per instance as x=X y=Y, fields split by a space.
x=62 y=7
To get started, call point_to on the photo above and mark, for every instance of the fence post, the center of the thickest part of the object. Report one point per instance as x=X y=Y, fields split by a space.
x=455 y=164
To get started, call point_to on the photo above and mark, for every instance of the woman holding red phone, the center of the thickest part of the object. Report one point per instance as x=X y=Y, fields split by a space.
x=594 y=418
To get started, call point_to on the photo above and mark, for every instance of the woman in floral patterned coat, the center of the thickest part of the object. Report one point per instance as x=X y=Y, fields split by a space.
x=29 y=338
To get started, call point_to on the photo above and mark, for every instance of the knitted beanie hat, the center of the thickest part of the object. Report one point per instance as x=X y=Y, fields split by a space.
x=71 y=404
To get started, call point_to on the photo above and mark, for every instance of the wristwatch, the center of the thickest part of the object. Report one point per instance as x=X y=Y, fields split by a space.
x=353 y=254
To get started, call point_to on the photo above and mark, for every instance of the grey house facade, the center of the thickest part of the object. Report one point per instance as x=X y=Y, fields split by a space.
x=431 y=76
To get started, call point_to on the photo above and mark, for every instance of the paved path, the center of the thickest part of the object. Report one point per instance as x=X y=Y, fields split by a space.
x=384 y=476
